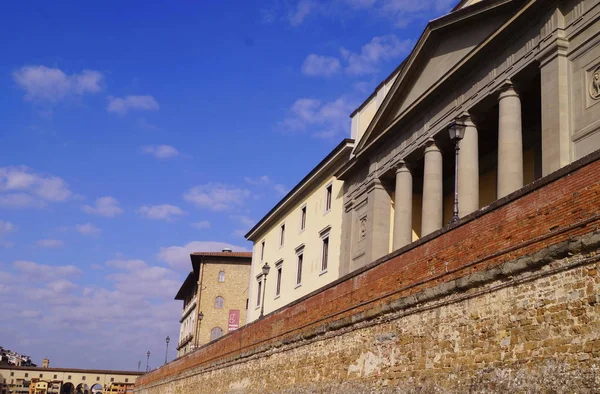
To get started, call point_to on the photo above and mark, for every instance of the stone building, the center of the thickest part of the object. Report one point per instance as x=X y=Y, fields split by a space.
x=299 y=238
x=519 y=78
x=217 y=291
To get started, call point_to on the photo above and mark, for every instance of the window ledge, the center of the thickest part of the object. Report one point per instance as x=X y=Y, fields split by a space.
x=277 y=296
x=298 y=285
x=323 y=272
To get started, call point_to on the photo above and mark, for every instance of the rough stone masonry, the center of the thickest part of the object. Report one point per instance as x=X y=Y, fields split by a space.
x=506 y=300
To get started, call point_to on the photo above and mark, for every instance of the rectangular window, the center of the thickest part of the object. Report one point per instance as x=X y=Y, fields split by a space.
x=303 y=218
x=325 y=256
x=262 y=250
x=299 y=272
x=41 y=375
x=69 y=378
x=26 y=374
x=279 y=273
x=259 y=292
x=328 y=194
x=282 y=235
x=12 y=374
x=55 y=376
x=83 y=378
x=126 y=380
x=97 y=378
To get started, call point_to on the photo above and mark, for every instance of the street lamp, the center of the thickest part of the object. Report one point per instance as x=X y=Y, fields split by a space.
x=200 y=317
x=139 y=365
x=265 y=272
x=148 y=361
x=457 y=132
x=167 y=339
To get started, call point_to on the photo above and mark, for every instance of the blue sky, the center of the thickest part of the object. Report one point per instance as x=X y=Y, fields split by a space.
x=136 y=132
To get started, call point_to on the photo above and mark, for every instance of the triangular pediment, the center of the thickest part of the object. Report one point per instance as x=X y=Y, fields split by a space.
x=444 y=44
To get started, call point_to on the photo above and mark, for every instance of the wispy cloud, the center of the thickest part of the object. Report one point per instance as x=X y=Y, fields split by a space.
x=49 y=243
x=104 y=206
x=165 y=212
x=371 y=54
x=46 y=84
x=20 y=187
x=320 y=66
x=161 y=151
x=6 y=228
x=201 y=225
x=217 y=196
x=265 y=180
x=42 y=272
x=88 y=229
x=322 y=119
x=178 y=257
x=122 y=105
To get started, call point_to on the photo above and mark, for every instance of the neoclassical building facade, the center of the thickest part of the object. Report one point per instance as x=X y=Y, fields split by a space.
x=521 y=78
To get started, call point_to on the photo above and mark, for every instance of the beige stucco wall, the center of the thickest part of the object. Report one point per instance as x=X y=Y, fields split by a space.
x=312 y=278
x=362 y=118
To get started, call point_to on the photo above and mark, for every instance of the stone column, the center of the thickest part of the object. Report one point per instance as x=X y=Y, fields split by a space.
x=468 y=169
x=379 y=206
x=403 y=206
x=432 y=216
x=510 y=142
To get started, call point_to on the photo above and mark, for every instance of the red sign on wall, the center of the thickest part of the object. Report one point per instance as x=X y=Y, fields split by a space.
x=234 y=320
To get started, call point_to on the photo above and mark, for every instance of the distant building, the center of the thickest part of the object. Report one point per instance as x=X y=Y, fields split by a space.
x=300 y=237
x=33 y=380
x=217 y=287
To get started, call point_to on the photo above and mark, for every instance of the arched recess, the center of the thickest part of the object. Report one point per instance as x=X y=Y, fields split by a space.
x=67 y=388
x=219 y=302
x=215 y=333
x=96 y=389
x=82 y=388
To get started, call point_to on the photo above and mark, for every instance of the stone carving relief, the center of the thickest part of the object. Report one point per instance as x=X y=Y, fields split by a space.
x=595 y=84
x=362 y=228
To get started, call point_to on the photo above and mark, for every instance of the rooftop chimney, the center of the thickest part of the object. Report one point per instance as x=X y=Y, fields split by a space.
x=226 y=250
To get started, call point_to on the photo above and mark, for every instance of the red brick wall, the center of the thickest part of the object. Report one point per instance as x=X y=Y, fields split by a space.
x=563 y=205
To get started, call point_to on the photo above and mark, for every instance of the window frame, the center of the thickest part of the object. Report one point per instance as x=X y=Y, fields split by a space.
x=299 y=265
x=213 y=330
x=279 y=270
x=259 y=279
x=325 y=237
x=217 y=299
x=328 y=197
x=303 y=214
x=221 y=274
x=281 y=234
x=262 y=250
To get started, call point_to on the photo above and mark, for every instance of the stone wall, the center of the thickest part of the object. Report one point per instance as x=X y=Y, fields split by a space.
x=505 y=300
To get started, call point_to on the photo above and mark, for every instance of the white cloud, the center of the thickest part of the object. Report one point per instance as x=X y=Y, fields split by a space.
x=104 y=206
x=322 y=119
x=43 y=272
x=20 y=187
x=373 y=53
x=161 y=151
x=217 y=196
x=121 y=105
x=201 y=225
x=49 y=243
x=321 y=66
x=88 y=229
x=47 y=84
x=179 y=256
x=161 y=212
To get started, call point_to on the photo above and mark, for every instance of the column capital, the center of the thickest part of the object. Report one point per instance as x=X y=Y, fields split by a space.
x=507 y=89
x=465 y=118
x=401 y=166
x=431 y=146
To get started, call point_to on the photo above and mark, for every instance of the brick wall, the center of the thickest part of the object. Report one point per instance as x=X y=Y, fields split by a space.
x=549 y=222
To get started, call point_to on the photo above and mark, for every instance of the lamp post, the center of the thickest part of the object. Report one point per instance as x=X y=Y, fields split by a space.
x=167 y=339
x=139 y=365
x=200 y=317
x=265 y=272
x=148 y=361
x=457 y=132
